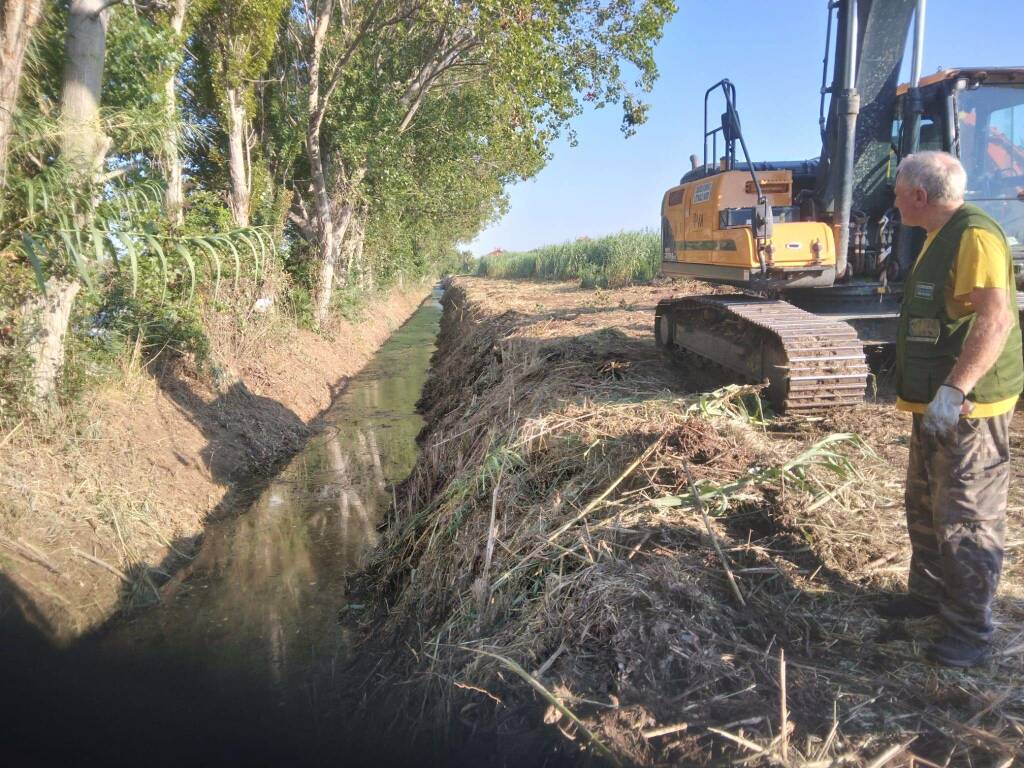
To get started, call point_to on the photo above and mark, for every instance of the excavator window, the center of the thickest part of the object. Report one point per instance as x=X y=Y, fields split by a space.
x=744 y=217
x=1006 y=141
x=991 y=124
x=992 y=137
x=894 y=149
x=931 y=135
x=929 y=138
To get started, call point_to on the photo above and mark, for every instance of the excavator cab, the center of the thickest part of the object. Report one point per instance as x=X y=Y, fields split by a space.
x=978 y=115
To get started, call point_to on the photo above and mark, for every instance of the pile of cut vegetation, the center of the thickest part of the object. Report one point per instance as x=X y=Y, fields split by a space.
x=649 y=576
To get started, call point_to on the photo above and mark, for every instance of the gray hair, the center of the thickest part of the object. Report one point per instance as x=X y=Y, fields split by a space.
x=939 y=174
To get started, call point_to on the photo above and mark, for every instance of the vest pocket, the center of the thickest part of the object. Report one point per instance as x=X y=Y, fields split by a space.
x=923 y=374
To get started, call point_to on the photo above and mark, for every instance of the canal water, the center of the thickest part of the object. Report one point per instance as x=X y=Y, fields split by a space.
x=245 y=660
x=264 y=593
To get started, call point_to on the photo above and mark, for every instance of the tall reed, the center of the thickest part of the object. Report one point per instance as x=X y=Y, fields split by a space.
x=612 y=261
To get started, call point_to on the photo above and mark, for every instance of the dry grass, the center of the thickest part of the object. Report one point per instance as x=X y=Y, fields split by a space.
x=551 y=525
x=87 y=516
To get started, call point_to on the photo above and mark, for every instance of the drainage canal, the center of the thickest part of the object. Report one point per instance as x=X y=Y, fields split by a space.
x=243 y=660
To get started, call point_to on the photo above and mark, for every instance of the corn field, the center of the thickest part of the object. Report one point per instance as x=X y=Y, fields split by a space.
x=613 y=261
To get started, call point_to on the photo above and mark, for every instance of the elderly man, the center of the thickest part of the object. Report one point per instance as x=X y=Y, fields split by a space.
x=959 y=371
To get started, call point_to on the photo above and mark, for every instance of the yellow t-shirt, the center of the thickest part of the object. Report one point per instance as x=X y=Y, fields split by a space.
x=980 y=263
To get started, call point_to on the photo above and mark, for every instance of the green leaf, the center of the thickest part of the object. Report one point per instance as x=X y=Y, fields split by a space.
x=244 y=236
x=73 y=247
x=155 y=246
x=214 y=258
x=97 y=244
x=187 y=257
x=30 y=253
x=133 y=261
x=234 y=252
x=108 y=233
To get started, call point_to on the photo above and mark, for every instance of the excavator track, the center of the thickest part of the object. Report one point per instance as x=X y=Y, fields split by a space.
x=810 y=362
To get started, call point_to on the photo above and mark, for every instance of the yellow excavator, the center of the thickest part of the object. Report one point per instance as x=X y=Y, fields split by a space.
x=815 y=248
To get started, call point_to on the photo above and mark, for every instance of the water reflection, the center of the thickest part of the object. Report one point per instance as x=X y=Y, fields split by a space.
x=263 y=595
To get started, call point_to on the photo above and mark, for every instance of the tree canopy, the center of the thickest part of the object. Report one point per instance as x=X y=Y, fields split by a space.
x=340 y=142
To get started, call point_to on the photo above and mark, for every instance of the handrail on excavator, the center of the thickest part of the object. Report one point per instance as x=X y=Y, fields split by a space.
x=730 y=130
x=731 y=133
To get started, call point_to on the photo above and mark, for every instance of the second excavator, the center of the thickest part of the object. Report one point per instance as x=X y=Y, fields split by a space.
x=815 y=248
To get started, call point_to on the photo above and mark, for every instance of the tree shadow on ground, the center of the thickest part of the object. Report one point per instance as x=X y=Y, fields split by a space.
x=150 y=697
x=247 y=434
x=249 y=438
x=81 y=706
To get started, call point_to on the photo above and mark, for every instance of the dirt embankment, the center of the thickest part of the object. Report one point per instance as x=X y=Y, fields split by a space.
x=553 y=578
x=96 y=512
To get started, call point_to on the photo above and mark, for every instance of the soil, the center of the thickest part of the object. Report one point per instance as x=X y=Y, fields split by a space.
x=554 y=585
x=101 y=507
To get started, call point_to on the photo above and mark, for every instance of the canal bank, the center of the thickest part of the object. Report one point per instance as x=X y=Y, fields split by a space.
x=547 y=587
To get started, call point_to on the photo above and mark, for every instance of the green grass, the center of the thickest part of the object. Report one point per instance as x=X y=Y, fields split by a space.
x=613 y=261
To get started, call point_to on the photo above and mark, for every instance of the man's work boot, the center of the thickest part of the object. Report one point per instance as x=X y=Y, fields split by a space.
x=955 y=651
x=906 y=607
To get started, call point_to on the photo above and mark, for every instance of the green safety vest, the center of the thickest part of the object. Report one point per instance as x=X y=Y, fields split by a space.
x=928 y=341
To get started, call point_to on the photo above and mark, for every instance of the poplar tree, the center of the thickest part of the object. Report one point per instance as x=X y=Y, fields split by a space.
x=543 y=58
x=240 y=39
x=384 y=131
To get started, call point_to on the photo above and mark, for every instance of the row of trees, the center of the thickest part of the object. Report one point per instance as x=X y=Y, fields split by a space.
x=147 y=146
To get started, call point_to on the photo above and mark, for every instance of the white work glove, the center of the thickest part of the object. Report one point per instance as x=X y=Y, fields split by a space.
x=943 y=411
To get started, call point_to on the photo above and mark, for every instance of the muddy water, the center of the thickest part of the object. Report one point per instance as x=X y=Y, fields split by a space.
x=245 y=661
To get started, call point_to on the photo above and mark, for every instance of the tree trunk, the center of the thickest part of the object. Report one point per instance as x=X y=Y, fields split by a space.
x=322 y=214
x=327 y=251
x=83 y=146
x=238 y=195
x=48 y=317
x=17 y=20
x=174 y=198
x=353 y=250
x=83 y=143
x=331 y=219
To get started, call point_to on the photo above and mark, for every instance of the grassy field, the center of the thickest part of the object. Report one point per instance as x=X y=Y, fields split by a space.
x=614 y=261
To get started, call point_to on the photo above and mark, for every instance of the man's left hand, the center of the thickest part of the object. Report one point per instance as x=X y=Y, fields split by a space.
x=944 y=411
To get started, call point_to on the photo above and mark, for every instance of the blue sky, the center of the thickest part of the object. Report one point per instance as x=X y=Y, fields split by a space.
x=771 y=50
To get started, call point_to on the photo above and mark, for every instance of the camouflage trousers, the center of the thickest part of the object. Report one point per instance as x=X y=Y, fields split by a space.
x=956 y=517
